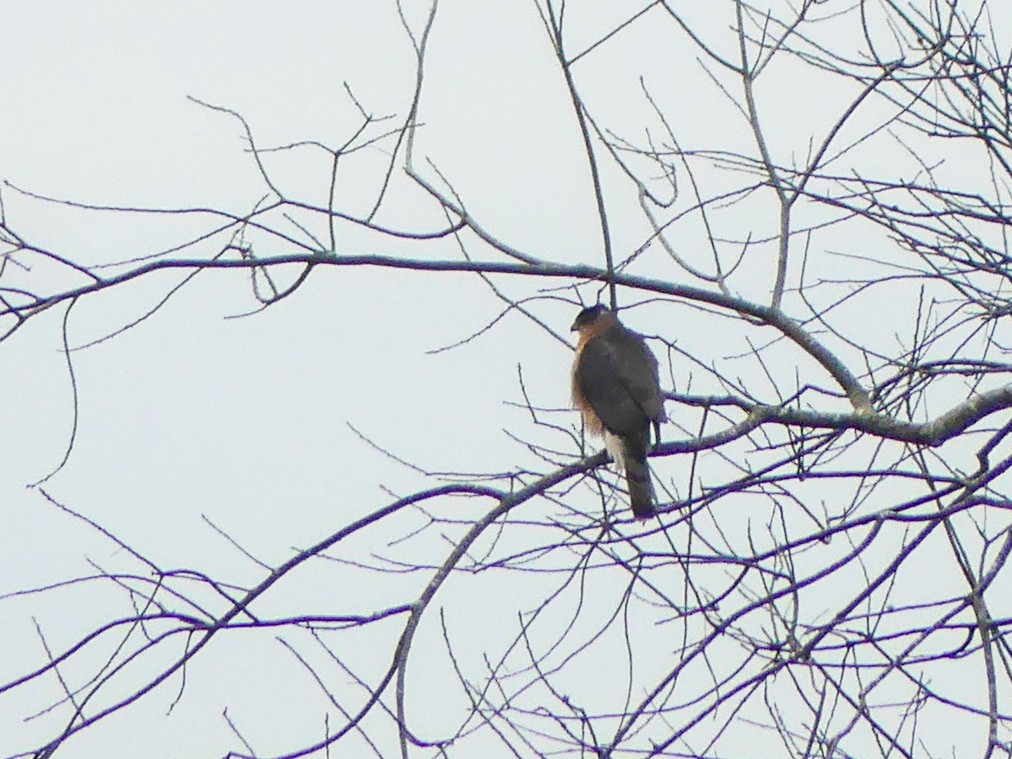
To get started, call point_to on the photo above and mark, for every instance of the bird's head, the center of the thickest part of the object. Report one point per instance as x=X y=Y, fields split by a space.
x=593 y=318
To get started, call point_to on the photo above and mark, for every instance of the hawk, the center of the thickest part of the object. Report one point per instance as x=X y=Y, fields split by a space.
x=616 y=387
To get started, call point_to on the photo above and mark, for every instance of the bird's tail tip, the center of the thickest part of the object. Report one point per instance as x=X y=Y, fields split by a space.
x=641 y=492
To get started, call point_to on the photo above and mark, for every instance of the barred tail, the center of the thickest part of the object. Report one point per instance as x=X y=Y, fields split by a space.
x=629 y=452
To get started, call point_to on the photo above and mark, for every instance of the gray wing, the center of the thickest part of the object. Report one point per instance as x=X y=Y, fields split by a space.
x=617 y=374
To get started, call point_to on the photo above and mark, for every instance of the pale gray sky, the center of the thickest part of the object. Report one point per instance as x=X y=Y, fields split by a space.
x=245 y=421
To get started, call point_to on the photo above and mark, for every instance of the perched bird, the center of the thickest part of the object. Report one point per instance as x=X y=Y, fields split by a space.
x=615 y=385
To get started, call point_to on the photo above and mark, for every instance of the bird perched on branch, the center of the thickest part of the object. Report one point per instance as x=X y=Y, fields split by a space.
x=616 y=386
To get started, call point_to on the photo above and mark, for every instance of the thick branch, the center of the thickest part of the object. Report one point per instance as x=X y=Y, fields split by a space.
x=932 y=433
x=769 y=316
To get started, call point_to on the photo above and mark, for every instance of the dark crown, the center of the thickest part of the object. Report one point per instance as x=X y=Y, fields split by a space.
x=589 y=315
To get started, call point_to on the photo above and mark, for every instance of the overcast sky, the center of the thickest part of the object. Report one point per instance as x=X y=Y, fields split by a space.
x=246 y=420
x=260 y=424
